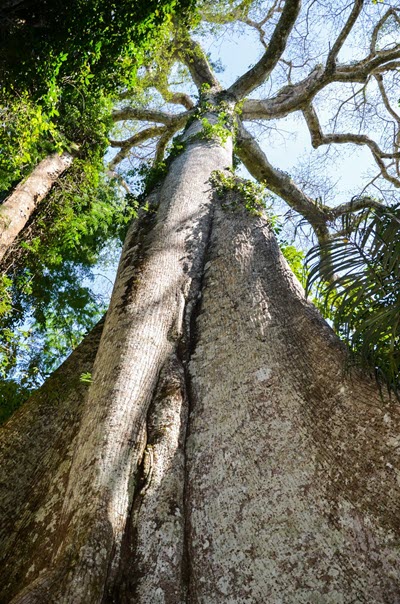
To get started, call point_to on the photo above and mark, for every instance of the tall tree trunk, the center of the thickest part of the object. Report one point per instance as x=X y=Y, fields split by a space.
x=16 y=210
x=223 y=454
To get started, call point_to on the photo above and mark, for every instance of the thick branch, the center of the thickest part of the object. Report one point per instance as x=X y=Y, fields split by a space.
x=356 y=10
x=133 y=141
x=287 y=100
x=359 y=72
x=139 y=137
x=177 y=98
x=294 y=97
x=161 y=146
x=279 y=182
x=258 y=74
x=194 y=58
x=16 y=210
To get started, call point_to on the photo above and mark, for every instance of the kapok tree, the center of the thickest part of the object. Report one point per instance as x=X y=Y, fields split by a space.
x=221 y=452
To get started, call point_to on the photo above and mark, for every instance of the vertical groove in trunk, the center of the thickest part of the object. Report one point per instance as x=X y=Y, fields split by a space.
x=151 y=567
x=16 y=210
x=293 y=467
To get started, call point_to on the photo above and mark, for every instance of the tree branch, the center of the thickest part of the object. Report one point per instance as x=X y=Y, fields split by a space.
x=133 y=141
x=159 y=81
x=332 y=56
x=143 y=114
x=161 y=146
x=175 y=123
x=318 y=138
x=258 y=74
x=356 y=204
x=177 y=98
x=194 y=58
x=139 y=137
x=279 y=182
x=378 y=27
x=289 y=99
x=359 y=72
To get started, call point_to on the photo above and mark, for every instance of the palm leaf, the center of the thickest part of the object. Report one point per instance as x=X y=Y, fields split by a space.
x=356 y=278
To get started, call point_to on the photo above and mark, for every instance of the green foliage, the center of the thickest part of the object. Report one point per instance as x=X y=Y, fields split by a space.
x=216 y=132
x=86 y=378
x=253 y=196
x=295 y=259
x=97 y=42
x=358 y=278
x=61 y=64
x=47 y=302
x=26 y=135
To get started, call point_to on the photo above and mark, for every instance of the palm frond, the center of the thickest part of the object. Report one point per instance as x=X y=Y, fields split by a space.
x=356 y=278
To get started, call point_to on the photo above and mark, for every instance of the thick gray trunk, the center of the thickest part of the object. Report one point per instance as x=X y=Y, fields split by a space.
x=223 y=455
x=16 y=210
x=36 y=446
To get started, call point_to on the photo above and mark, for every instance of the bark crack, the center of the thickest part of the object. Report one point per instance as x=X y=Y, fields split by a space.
x=186 y=347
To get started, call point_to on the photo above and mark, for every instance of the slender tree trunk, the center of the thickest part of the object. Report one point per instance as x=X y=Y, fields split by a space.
x=223 y=454
x=16 y=210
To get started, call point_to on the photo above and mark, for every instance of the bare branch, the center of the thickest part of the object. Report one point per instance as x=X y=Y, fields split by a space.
x=378 y=27
x=257 y=74
x=133 y=141
x=175 y=123
x=139 y=137
x=332 y=56
x=142 y=114
x=288 y=99
x=389 y=108
x=258 y=28
x=318 y=138
x=392 y=66
x=356 y=204
x=177 y=98
x=280 y=183
x=359 y=71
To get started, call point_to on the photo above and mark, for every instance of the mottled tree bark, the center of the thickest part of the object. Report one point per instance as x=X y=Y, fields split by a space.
x=223 y=455
x=16 y=210
x=36 y=447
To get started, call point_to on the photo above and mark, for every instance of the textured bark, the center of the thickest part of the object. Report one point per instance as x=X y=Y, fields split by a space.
x=293 y=465
x=224 y=455
x=16 y=210
x=36 y=447
x=158 y=278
